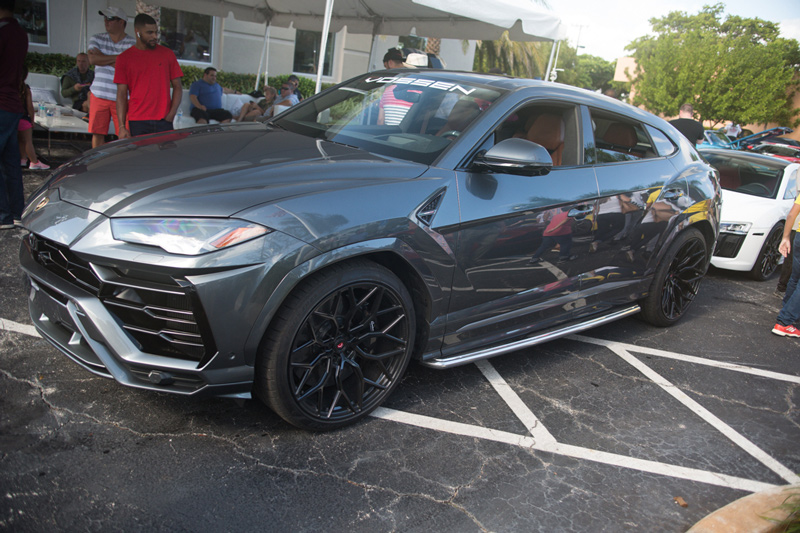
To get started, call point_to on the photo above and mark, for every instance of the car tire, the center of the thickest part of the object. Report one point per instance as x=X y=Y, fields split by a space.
x=677 y=279
x=769 y=256
x=338 y=346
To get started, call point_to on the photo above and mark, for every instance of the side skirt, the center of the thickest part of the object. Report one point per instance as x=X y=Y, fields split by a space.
x=486 y=353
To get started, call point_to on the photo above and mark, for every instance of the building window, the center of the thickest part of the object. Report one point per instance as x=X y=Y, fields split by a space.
x=32 y=15
x=189 y=35
x=306 y=52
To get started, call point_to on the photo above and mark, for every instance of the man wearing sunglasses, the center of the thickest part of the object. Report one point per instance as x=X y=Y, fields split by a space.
x=103 y=51
x=286 y=98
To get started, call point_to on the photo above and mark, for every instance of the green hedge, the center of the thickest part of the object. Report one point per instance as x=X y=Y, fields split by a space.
x=59 y=64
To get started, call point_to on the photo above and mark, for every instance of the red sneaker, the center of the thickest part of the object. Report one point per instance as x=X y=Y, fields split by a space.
x=786 y=331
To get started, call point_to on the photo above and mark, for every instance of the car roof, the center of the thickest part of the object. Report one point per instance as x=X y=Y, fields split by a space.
x=556 y=90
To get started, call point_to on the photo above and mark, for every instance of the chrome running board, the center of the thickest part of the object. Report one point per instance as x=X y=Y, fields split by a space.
x=486 y=353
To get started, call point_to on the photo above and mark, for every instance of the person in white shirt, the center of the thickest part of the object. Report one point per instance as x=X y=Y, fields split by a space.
x=103 y=51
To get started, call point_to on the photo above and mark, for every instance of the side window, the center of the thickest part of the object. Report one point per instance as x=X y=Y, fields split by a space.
x=663 y=146
x=791 y=186
x=619 y=139
x=553 y=126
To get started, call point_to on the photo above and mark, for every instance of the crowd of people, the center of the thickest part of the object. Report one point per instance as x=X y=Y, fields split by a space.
x=134 y=86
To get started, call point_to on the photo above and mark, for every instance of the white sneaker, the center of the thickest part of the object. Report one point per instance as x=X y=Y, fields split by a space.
x=39 y=166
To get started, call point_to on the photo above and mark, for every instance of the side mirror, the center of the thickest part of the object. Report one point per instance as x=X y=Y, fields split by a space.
x=516 y=156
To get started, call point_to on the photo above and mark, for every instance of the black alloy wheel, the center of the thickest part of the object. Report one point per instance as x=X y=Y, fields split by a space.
x=769 y=256
x=342 y=343
x=677 y=279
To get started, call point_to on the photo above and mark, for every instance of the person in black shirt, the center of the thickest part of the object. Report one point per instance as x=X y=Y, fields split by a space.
x=690 y=128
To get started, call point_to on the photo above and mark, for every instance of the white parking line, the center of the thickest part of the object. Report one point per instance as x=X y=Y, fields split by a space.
x=654 y=467
x=10 y=325
x=542 y=440
x=688 y=358
x=709 y=418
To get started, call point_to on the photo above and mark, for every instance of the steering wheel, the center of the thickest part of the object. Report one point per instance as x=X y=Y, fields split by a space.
x=755 y=185
x=450 y=133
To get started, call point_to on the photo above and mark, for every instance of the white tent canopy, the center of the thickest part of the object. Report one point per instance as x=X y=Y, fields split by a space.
x=449 y=19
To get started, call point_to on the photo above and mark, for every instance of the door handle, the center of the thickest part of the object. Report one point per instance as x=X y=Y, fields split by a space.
x=580 y=211
x=671 y=194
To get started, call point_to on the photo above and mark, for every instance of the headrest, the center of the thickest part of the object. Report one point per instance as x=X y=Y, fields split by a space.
x=621 y=135
x=547 y=130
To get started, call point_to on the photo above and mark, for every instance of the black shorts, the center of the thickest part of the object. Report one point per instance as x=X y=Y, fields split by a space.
x=219 y=115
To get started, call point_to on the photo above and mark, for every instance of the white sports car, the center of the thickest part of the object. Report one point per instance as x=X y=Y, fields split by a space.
x=757 y=193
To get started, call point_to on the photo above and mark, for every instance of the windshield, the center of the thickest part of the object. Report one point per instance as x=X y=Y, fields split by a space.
x=413 y=116
x=746 y=176
x=717 y=138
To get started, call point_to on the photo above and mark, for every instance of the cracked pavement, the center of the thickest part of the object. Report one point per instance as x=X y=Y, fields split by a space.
x=581 y=434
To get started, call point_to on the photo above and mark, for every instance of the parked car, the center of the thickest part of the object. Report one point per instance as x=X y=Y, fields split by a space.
x=309 y=259
x=782 y=151
x=717 y=139
x=747 y=142
x=757 y=193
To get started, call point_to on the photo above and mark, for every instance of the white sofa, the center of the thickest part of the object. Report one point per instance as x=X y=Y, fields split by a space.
x=231 y=102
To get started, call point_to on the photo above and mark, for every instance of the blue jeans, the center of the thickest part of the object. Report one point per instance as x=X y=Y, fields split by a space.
x=790 y=312
x=12 y=197
x=144 y=127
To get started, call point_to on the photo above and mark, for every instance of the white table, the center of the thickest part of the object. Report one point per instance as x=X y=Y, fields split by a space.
x=66 y=123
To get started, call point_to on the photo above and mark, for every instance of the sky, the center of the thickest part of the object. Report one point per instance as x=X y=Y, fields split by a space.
x=604 y=27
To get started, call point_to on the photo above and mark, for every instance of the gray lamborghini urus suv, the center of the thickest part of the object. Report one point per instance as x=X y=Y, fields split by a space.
x=414 y=214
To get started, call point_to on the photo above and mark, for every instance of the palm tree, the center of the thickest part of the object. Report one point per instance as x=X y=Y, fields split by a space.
x=524 y=59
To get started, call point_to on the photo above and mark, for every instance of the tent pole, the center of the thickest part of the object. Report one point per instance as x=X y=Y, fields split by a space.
x=264 y=48
x=83 y=42
x=326 y=26
x=550 y=62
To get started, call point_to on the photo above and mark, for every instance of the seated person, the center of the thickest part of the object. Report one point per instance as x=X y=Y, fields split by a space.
x=75 y=83
x=295 y=81
x=256 y=111
x=286 y=98
x=206 y=97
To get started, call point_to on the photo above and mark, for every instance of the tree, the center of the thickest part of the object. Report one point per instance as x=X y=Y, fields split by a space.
x=523 y=59
x=732 y=69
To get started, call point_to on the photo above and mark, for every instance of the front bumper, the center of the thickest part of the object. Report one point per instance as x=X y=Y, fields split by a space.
x=739 y=252
x=143 y=333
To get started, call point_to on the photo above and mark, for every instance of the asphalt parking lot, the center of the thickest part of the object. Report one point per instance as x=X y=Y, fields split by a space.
x=596 y=432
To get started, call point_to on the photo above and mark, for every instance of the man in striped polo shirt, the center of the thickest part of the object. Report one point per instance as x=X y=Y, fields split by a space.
x=103 y=51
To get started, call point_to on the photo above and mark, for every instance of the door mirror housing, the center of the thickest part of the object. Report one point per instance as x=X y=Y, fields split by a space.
x=516 y=156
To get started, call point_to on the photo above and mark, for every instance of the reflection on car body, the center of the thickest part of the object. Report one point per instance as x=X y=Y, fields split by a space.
x=309 y=259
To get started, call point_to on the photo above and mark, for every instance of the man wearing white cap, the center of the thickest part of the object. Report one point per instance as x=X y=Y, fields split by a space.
x=103 y=51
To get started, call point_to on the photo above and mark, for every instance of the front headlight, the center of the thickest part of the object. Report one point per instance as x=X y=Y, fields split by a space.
x=185 y=236
x=740 y=228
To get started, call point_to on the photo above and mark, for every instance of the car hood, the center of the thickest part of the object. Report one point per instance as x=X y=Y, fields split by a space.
x=216 y=171
x=740 y=207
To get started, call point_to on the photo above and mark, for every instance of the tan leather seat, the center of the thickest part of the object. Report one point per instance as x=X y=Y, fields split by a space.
x=621 y=136
x=547 y=130
x=463 y=112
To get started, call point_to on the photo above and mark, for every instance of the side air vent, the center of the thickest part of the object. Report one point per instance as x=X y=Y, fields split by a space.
x=426 y=213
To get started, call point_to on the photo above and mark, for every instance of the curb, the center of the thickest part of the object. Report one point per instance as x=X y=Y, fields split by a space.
x=748 y=514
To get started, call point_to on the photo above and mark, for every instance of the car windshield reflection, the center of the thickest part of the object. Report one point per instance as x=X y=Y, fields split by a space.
x=411 y=116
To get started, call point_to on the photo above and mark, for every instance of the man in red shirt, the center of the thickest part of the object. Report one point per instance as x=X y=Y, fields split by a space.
x=13 y=48
x=147 y=70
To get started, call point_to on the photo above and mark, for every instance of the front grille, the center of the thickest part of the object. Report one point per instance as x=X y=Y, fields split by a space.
x=161 y=315
x=728 y=244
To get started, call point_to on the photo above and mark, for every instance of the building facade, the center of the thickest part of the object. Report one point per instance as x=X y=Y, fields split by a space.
x=64 y=26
